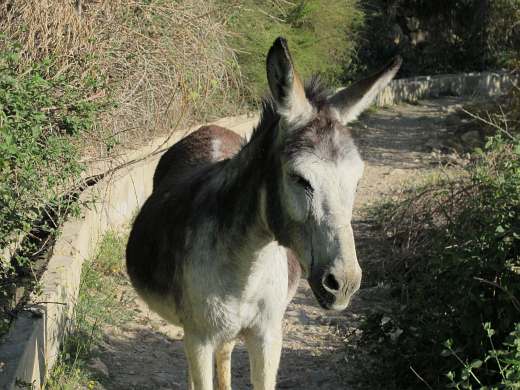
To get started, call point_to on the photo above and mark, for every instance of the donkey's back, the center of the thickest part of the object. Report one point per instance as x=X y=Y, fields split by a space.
x=207 y=145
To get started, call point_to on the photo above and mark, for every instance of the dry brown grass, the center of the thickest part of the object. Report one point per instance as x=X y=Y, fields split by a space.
x=164 y=64
x=47 y=28
x=412 y=214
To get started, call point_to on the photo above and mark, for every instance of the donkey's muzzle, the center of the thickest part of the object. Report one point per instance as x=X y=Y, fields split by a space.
x=334 y=291
x=324 y=297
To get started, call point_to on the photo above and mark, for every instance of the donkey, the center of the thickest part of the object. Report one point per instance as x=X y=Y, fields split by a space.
x=219 y=245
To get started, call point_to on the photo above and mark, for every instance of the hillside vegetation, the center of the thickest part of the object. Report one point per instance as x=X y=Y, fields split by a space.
x=322 y=36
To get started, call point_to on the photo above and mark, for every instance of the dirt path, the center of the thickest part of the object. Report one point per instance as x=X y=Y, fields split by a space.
x=396 y=144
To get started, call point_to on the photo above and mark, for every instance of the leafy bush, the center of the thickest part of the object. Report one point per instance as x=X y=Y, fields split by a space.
x=38 y=161
x=506 y=359
x=322 y=37
x=456 y=267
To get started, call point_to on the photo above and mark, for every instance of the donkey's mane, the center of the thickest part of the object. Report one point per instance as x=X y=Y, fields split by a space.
x=317 y=131
x=316 y=93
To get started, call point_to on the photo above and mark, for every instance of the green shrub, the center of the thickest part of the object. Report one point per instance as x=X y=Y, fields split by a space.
x=39 y=117
x=505 y=359
x=322 y=37
x=457 y=266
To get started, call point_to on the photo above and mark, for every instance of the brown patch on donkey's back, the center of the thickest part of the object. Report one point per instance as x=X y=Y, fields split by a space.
x=206 y=145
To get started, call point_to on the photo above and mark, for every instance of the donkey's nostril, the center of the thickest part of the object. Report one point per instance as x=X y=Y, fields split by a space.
x=331 y=283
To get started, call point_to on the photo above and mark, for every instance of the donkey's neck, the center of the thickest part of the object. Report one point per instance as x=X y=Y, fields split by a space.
x=240 y=195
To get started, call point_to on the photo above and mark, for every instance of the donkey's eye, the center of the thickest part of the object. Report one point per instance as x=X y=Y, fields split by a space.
x=302 y=182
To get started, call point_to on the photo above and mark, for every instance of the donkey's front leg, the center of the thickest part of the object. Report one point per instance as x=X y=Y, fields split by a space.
x=223 y=358
x=264 y=349
x=199 y=353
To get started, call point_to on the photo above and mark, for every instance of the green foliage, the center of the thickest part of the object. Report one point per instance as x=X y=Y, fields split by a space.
x=457 y=266
x=477 y=34
x=322 y=37
x=503 y=33
x=99 y=305
x=506 y=359
x=40 y=114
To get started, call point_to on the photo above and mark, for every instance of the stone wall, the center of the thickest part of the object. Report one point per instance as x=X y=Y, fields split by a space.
x=485 y=84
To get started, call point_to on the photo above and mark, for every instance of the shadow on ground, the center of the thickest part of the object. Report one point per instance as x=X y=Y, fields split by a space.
x=399 y=137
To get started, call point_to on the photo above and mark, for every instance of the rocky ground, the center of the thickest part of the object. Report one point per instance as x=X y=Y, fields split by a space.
x=398 y=144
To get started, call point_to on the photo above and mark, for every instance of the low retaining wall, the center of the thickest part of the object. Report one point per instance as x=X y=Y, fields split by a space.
x=31 y=346
x=484 y=84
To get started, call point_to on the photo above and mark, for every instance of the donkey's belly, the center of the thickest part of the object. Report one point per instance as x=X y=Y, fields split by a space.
x=164 y=306
x=219 y=318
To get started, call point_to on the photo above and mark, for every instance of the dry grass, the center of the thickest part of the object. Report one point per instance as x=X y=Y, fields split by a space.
x=164 y=64
x=48 y=28
x=421 y=210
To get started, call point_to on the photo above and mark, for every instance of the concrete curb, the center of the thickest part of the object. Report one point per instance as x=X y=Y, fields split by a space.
x=484 y=84
x=31 y=347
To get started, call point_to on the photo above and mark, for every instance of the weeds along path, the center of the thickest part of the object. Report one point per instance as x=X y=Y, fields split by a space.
x=147 y=353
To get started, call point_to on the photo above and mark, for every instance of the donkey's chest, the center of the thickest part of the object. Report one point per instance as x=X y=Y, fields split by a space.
x=245 y=298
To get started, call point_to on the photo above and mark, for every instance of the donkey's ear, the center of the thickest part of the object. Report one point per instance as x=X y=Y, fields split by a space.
x=285 y=84
x=352 y=101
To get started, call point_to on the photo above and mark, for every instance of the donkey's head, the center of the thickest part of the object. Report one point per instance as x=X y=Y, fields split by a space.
x=316 y=169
